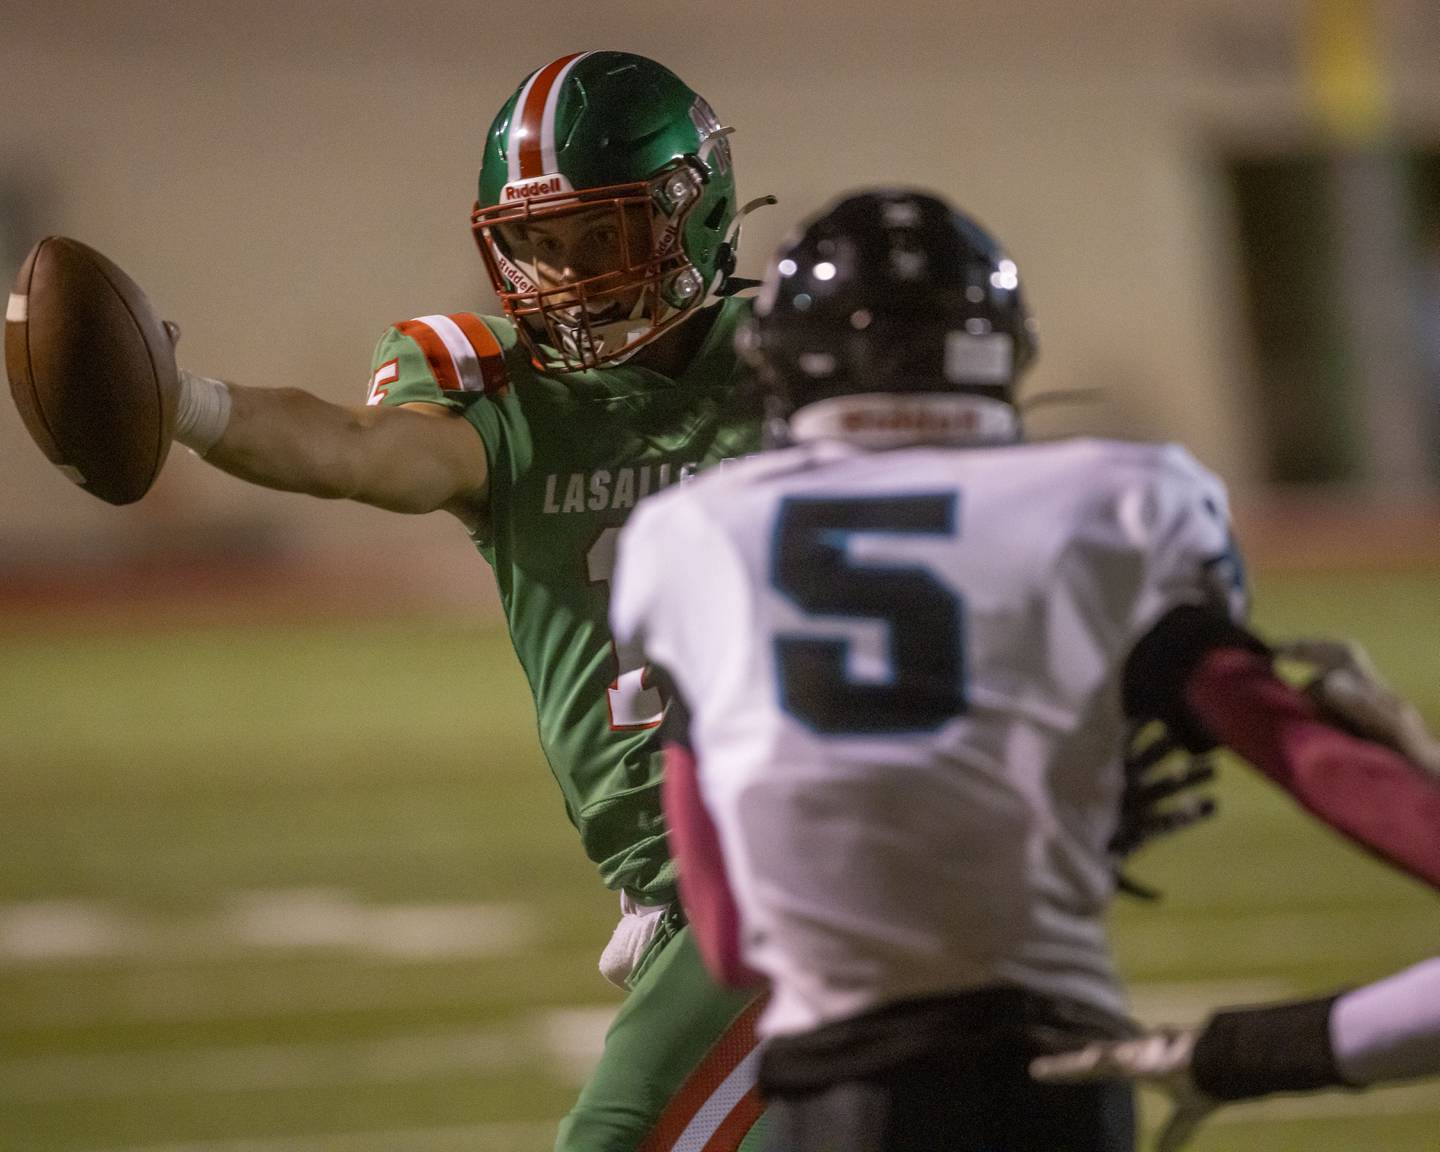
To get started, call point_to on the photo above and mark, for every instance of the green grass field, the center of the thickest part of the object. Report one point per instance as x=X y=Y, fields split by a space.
x=310 y=889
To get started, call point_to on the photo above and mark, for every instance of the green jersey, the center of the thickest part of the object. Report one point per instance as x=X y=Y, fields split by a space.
x=569 y=457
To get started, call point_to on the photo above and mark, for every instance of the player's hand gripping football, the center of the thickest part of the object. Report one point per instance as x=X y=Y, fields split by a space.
x=1159 y=1058
x=1161 y=797
x=1351 y=694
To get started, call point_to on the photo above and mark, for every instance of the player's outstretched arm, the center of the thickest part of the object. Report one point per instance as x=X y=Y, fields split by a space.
x=1364 y=789
x=1211 y=682
x=93 y=373
x=1384 y=1032
x=411 y=458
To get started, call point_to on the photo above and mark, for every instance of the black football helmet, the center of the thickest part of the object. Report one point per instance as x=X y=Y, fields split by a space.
x=888 y=291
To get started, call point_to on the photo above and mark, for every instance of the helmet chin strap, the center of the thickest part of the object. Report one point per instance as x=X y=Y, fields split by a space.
x=725 y=258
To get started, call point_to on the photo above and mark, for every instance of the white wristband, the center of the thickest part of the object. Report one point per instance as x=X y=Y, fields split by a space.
x=202 y=413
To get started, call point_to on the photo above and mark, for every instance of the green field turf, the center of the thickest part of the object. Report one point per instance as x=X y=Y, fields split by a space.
x=309 y=889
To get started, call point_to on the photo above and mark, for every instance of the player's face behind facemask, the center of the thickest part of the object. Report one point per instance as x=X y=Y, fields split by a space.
x=893 y=296
x=591 y=268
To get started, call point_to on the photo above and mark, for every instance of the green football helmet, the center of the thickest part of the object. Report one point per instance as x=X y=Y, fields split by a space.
x=605 y=208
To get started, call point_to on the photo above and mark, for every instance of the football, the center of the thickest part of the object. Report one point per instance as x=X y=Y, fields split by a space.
x=91 y=368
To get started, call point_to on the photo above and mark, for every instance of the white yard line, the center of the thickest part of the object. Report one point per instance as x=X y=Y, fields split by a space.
x=54 y=931
x=280 y=990
x=498 y=1137
x=1191 y=1001
x=258 y=1068
x=58 y=932
x=574 y=1038
x=566 y=1040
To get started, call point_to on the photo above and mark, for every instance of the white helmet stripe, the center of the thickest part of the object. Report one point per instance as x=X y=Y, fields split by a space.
x=517 y=125
x=547 y=129
x=530 y=148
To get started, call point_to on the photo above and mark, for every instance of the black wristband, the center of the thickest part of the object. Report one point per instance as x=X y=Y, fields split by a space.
x=1163 y=660
x=1248 y=1052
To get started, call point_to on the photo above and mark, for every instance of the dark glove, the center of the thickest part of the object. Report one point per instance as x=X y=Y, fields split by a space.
x=1160 y=798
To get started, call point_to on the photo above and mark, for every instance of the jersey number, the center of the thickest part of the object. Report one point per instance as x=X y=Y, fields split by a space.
x=632 y=704
x=926 y=619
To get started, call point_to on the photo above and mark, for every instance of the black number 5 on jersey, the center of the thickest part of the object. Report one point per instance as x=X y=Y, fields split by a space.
x=926 y=619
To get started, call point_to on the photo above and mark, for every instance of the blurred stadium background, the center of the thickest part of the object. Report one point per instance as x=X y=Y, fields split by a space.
x=281 y=868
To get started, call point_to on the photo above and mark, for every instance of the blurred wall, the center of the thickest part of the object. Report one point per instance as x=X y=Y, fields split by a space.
x=287 y=178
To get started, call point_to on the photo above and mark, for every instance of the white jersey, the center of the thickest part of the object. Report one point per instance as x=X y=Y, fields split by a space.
x=903 y=670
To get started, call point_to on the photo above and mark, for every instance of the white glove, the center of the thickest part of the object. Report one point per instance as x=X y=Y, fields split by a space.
x=1160 y=1058
x=1349 y=690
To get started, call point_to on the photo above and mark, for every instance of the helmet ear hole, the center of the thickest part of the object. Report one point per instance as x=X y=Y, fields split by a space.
x=717 y=215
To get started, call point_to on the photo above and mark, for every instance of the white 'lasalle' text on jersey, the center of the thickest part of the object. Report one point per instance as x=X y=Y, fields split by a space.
x=903 y=670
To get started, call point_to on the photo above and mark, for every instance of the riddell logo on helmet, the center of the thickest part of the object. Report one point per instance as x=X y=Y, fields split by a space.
x=529 y=189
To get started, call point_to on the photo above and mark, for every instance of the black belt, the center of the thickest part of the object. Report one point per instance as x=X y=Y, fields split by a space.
x=978 y=1025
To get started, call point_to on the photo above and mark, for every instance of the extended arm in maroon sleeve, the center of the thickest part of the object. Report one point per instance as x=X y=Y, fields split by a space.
x=1365 y=791
x=704 y=882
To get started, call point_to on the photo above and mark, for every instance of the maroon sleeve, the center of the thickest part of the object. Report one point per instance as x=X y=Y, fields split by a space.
x=1365 y=791
x=704 y=883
